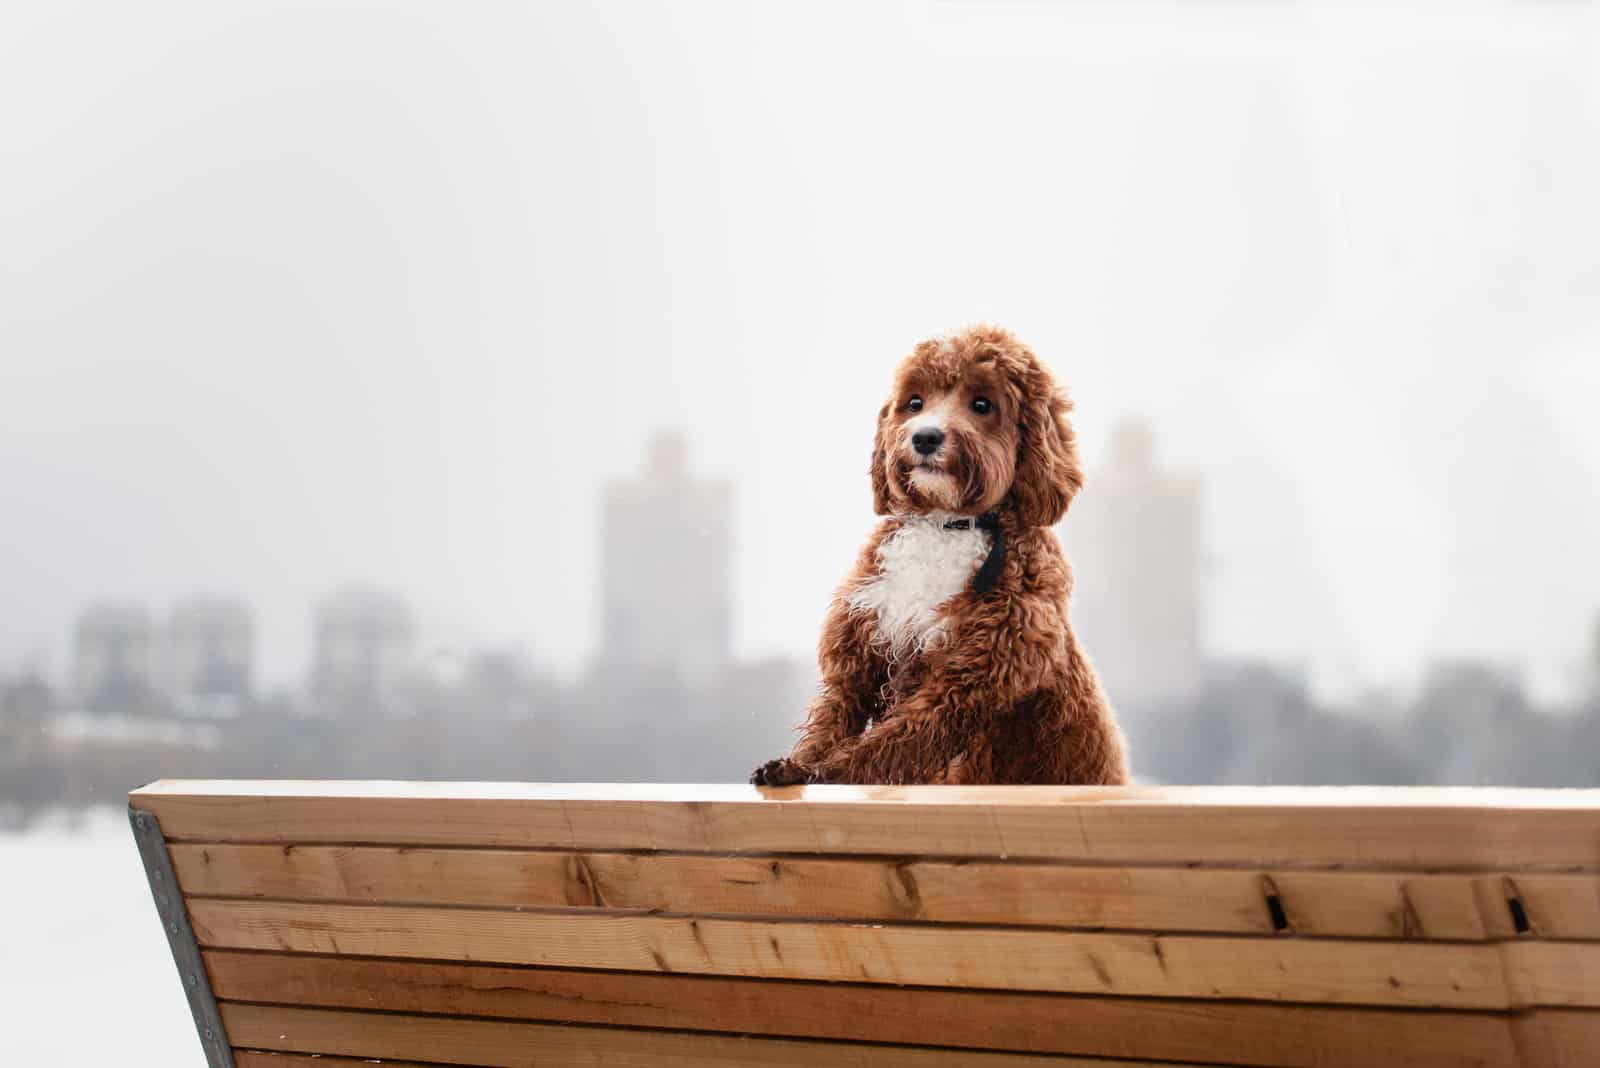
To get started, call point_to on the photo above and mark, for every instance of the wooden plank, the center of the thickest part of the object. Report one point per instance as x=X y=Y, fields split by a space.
x=1368 y=905
x=1430 y=974
x=1574 y=1054
x=1472 y=797
x=1552 y=973
x=1225 y=1032
x=255 y=1058
x=1558 y=1038
x=1323 y=827
x=504 y=1044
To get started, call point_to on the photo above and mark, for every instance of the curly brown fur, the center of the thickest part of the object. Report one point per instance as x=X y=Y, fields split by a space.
x=971 y=688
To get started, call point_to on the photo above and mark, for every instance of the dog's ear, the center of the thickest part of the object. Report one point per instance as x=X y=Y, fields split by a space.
x=1048 y=475
x=880 y=459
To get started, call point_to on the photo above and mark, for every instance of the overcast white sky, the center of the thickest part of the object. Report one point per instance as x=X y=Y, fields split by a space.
x=293 y=294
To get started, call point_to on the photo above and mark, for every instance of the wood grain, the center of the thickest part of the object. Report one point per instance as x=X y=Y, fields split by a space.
x=1558 y=1038
x=255 y=1058
x=1395 y=797
x=502 y=1044
x=1431 y=974
x=1323 y=827
x=1367 y=905
x=1224 y=1032
x=506 y=924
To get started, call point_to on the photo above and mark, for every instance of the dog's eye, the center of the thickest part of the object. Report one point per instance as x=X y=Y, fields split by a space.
x=982 y=405
x=914 y=404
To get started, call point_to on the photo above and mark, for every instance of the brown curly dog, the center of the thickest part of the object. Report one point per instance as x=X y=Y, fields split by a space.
x=946 y=656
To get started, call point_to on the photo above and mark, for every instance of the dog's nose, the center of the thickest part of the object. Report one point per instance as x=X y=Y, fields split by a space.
x=927 y=440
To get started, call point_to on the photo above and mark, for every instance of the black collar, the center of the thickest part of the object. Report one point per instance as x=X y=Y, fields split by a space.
x=989 y=573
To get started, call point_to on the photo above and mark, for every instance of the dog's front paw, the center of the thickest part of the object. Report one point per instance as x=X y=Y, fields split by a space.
x=779 y=772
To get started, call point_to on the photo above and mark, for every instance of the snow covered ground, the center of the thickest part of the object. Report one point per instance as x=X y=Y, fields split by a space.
x=85 y=976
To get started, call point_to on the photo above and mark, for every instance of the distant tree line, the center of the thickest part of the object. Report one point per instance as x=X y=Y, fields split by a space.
x=1251 y=723
x=1468 y=725
x=494 y=723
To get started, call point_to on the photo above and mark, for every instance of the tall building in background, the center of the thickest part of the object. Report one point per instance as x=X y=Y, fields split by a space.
x=114 y=658
x=666 y=570
x=365 y=645
x=210 y=656
x=1134 y=536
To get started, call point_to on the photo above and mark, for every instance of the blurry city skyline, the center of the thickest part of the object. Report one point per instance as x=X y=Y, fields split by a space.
x=396 y=293
x=666 y=538
x=667 y=697
x=666 y=541
x=1126 y=640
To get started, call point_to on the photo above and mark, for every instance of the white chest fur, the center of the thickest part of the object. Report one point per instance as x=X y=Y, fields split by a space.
x=920 y=567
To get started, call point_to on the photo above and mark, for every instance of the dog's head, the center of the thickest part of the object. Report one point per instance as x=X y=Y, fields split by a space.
x=975 y=423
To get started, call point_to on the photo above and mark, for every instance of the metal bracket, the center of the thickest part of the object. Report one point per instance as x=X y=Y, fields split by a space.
x=180 y=938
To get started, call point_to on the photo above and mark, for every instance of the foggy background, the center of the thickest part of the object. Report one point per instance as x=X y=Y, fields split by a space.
x=518 y=363
x=486 y=390
x=296 y=295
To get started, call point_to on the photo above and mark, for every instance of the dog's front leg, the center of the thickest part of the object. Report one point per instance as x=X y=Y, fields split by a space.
x=853 y=675
x=835 y=716
x=944 y=731
x=929 y=733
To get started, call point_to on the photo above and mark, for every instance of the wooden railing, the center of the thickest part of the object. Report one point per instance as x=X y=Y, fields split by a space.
x=475 y=924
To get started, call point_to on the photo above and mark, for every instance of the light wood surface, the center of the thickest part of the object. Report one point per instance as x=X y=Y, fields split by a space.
x=1369 y=828
x=1558 y=1038
x=1404 y=797
x=511 y=924
x=255 y=1058
x=1435 y=974
x=1365 y=905
x=1226 y=1032
x=502 y=1044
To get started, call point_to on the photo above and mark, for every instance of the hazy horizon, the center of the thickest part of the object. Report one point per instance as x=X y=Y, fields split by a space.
x=297 y=295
